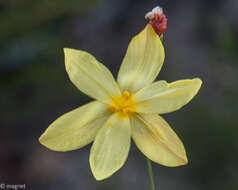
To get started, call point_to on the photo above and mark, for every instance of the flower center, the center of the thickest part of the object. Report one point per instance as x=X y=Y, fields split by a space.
x=123 y=105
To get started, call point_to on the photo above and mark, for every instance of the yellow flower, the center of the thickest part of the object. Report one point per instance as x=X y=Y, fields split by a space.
x=123 y=109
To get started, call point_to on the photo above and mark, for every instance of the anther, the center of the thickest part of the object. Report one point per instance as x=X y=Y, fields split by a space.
x=126 y=95
x=109 y=124
x=127 y=111
x=112 y=108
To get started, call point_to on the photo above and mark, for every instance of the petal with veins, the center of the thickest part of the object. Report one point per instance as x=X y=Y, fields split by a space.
x=157 y=141
x=161 y=97
x=143 y=61
x=110 y=148
x=90 y=76
x=77 y=128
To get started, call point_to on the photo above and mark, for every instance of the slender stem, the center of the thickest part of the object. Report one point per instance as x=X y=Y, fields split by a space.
x=150 y=172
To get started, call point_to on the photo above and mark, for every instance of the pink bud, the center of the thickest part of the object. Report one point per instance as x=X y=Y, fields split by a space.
x=158 y=20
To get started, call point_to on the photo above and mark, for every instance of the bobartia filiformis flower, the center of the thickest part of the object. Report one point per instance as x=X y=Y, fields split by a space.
x=128 y=107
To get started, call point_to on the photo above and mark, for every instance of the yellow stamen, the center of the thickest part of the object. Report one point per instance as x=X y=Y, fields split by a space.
x=123 y=105
x=126 y=95
x=112 y=108
x=127 y=111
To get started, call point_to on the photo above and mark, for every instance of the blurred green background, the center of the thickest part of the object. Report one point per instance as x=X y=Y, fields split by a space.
x=201 y=41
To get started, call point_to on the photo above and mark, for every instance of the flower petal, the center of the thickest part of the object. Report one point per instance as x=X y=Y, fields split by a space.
x=161 y=97
x=90 y=76
x=143 y=61
x=110 y=148
x=156 y=140
x=75 y=129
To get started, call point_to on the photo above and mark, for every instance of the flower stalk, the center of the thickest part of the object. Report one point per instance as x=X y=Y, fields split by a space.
x=150 y=172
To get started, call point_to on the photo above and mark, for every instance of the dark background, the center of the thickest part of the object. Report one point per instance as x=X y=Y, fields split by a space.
x=201 y=41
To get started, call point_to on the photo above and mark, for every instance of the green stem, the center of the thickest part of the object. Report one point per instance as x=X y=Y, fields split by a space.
x=150 y=172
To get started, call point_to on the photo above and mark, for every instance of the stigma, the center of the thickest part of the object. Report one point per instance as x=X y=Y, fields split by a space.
x=123 y=105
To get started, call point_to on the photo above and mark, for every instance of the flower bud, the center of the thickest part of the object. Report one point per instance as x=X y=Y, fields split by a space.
x=158 y=20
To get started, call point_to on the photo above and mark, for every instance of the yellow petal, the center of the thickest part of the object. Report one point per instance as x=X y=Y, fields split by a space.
x=75 y=129
x=90 y=76
x=110 y=148
x=157 y=141
x=143 y=61
x=161 y=97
